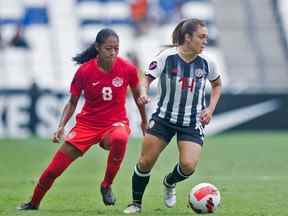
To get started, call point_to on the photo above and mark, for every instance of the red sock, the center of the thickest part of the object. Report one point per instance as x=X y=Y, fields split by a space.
x=118 y=141
x=56 y=167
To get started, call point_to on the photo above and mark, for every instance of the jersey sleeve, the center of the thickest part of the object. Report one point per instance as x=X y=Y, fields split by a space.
x=213 y=74
x=76 y=86
x=133 y=76
x=156 y=66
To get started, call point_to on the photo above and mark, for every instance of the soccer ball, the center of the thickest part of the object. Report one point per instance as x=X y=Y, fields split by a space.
x=204 y=198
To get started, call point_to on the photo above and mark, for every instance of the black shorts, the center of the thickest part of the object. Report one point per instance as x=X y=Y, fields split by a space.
x=165 y=130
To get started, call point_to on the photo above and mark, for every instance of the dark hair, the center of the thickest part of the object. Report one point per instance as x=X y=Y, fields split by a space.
x=187 y=26
x=91 y=51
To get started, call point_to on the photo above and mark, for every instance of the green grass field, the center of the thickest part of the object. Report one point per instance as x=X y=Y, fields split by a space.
x=250 y=169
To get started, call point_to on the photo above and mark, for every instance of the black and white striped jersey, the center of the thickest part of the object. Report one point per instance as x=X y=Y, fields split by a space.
x=181 y=87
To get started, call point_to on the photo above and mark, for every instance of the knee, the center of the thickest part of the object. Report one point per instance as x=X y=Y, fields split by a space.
x=118 y=144
x=145 y=164
x=118 y=138
x=188 y=166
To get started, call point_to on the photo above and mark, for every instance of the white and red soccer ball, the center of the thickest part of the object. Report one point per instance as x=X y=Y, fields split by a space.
x=204 y=198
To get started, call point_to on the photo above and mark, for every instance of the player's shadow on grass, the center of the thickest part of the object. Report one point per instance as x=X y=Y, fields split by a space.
x=79 y=212
x=110 y=212
x=165 y=211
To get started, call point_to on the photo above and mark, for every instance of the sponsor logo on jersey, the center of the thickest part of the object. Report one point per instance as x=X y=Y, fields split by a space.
x=153 y=65
x=117 y=82
x=199 y=73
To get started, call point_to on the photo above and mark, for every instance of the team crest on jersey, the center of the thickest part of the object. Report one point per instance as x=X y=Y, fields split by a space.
x=153 y=65
x=199 y=73
x=117 y=82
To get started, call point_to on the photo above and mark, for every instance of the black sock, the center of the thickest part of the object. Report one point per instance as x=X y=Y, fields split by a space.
x=176 y=176
x=139 y=182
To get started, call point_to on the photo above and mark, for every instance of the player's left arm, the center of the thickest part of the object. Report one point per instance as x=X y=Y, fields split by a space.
x=136 y=91
x=135 y=86
x=207 y=113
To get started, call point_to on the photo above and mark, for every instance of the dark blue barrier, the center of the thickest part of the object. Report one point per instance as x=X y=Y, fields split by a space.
x=35 y=111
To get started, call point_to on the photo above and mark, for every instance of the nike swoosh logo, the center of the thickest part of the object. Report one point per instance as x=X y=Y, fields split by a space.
x=95 y=83
x=230 y=119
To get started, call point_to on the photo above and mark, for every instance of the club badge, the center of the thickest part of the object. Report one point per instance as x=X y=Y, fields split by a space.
x=117 y=82
x=199 y=73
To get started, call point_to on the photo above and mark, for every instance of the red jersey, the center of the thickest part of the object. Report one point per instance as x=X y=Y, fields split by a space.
x=104 y=92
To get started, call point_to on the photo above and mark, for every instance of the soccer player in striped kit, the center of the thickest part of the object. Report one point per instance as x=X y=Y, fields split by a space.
x=180 y=110
x=103 y=78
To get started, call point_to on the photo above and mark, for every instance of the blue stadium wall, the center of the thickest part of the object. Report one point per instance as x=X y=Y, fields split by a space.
x=35 y=111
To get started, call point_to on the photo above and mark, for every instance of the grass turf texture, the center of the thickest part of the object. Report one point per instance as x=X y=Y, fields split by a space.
x=250 y=170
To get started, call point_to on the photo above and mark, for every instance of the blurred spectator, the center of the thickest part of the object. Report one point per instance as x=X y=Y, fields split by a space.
x=18 y=40
x=1 y=41
x=133 y=57
x=139 y=11
x=169 y=11
x=34 y=92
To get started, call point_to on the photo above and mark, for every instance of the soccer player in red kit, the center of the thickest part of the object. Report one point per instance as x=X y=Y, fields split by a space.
x=103 y=78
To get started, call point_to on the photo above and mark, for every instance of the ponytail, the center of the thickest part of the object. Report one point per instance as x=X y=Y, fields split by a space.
x=187 y=26
x=90 y=53
x=176 y=35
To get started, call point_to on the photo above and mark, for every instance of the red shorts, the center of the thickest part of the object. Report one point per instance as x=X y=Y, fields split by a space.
x=83 y=136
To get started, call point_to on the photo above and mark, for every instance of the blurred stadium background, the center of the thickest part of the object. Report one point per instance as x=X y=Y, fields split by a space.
x=247 y=41
x=249 y=45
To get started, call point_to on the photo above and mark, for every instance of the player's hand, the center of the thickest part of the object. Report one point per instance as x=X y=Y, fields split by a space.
x=206 y=116
x=58 y=135
x=143 y=99
x=144 y=125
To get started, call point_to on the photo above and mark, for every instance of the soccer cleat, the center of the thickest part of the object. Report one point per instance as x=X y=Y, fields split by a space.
x=169 y=194
x=107 y=196
x=27 y=206
x=133 y=208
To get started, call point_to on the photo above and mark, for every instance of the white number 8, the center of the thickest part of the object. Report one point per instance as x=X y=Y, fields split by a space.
x=107 y=93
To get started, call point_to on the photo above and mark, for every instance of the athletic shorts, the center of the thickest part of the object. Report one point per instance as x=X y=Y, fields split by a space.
x=82 y=136
x=165 y=130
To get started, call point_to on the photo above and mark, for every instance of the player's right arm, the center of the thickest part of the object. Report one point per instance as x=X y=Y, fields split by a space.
x=154 y=71
x=68 y=111
x=144 y=98
x=76 y=88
